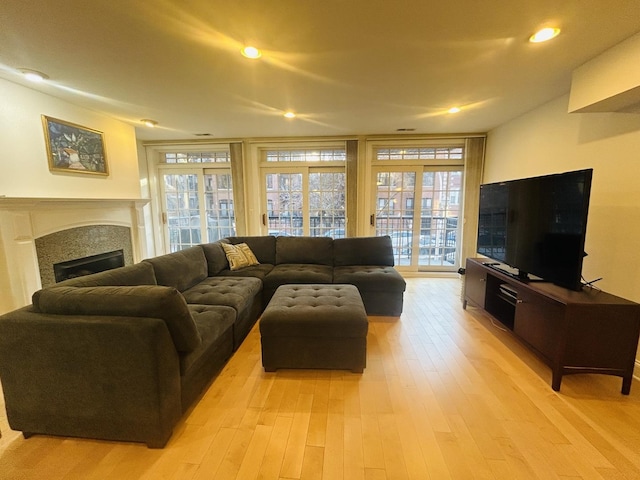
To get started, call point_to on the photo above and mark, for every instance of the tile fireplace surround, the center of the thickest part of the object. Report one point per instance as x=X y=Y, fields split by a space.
x=25 y=220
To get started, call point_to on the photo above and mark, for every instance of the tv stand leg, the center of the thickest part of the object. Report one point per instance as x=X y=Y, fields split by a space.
x=626 y=384
x=556 y=380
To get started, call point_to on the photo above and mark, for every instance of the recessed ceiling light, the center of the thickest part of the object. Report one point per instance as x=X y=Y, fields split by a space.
x=149 y=123
x=33 y=75
x=544 y=35
x=454 y=110
x=290 y=115
x=251 y=52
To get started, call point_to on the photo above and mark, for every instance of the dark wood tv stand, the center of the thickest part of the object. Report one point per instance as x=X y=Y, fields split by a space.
x=590 y=331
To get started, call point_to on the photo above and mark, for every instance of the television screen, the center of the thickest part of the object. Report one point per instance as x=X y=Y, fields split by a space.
x=537 y=225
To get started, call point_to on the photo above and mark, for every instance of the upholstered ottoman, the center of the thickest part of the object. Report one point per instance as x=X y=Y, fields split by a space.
x=315 y=326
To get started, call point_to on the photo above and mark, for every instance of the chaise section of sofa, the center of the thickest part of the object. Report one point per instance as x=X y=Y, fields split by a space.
x=367 y=263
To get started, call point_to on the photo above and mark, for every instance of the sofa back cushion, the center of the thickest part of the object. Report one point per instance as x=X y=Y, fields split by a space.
x=263 y=247
x=139 y=274
x=180 y=270
x=363 y=251
x=165 y=303
x=216 y=258
x=314 y=250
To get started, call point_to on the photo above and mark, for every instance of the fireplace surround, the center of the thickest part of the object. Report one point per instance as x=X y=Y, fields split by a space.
x=26 y=222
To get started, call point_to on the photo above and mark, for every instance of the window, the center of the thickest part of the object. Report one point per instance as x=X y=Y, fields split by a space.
x=420 y=153
x=430 y=176
x=305 y=191
x=197 y=194
x=310 y=155
x=192 y=157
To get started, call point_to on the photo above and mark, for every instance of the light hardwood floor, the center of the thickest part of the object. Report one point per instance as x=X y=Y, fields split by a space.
x=445 y=395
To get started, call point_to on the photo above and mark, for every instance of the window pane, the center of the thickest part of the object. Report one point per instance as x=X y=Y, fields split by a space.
x=420 y=153
x=183 y=215
x=284 y=201
x=312 y=155
x=327 y=205
x=218 y=198
x=394 y=216
x=197 y=157
x=441 y=193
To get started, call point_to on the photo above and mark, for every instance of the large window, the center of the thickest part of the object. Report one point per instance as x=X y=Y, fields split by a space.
x=197 y=198
x=304 y=191
x=424 y=238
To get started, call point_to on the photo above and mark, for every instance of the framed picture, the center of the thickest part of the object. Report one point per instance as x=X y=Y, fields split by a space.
x=72 y=148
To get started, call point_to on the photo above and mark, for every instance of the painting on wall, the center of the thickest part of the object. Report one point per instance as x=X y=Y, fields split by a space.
x=72 y=148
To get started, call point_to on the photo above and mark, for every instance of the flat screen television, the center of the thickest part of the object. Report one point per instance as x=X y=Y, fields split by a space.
x=537 y=225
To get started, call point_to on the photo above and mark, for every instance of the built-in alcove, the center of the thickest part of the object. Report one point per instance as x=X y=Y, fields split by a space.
x=70 y=245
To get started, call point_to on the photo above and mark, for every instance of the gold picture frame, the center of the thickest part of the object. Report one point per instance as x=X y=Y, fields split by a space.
x=73 y=148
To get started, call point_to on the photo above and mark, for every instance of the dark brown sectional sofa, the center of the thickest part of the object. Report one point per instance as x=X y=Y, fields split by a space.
x=122 y=354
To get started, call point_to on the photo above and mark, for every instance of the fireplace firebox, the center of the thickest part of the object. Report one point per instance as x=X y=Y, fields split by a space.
x=88 y=265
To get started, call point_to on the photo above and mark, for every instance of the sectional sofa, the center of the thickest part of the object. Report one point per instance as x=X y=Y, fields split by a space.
x=122 y=354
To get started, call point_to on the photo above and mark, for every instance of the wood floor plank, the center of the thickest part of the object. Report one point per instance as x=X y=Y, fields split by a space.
x=447 y=395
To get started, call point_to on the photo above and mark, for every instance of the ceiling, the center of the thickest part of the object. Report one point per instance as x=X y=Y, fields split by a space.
x=346 y=67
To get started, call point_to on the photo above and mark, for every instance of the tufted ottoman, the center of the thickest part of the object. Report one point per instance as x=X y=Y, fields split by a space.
x=314 y=326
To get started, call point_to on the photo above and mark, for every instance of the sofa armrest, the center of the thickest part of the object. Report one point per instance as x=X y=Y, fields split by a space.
x=114 y=378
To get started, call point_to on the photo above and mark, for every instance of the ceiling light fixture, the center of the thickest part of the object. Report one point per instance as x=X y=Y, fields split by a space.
x=544 y=35
x=149 y=123
x=454 y=110
x=34 y=75
x=290 y=115
x=251 y=52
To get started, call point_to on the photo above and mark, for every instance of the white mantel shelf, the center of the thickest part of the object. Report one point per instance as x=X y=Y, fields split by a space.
x=21 y=203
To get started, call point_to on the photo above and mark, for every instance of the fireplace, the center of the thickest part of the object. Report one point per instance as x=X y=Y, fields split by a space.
x=36 y=233
x=88 y=265
x=71 y=245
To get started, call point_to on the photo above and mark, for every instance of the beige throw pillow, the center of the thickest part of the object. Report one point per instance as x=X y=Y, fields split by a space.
x=239 y=256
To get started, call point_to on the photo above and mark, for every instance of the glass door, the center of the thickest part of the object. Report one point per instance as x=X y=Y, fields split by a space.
x=419 y=207
x=304 y=201
x=197 y=207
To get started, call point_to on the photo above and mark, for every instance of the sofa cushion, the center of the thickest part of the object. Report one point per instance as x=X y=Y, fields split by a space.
x=363 y=251
x=304 y=250
x=182 y=269
x=215 y=327
x=139 y=274
x=165 y=303
x=216 y=258
x=236 y=292
x=297 y=273
x=263 y=247
x=239 y=256
x=257 y=271
x=370 y=278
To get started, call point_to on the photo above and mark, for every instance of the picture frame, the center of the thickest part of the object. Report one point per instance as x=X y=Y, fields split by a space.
x=72 y=148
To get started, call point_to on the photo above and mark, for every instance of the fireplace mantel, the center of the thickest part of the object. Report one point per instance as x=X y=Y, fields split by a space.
x=20 y=203
x=23 y=220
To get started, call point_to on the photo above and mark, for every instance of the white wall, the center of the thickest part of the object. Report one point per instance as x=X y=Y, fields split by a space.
x=24 y=170
x=550 y=140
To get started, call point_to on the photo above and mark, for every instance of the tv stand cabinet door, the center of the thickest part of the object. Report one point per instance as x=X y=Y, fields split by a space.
x=475 y=284
x=540 y=322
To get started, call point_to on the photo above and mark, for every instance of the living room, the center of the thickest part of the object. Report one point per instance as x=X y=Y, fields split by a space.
x=540 y=140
